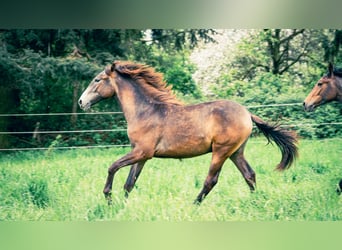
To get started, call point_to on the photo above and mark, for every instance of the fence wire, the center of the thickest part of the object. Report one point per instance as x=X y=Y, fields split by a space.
x=59 y=114
x=118 y=130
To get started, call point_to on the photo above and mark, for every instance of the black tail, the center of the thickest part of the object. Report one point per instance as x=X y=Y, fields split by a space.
x=339 y=187
x=285 y=140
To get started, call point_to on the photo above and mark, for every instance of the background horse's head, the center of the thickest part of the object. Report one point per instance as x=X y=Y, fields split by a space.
x=101 y=87
x=325 y=90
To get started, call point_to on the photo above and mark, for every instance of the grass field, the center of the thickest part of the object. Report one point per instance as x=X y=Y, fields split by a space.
x=67 y=186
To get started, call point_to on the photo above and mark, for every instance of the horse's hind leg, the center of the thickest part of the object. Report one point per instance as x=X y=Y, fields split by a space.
x=218 y=158
x=245 y=169
x=133 y=176
x=208 y=185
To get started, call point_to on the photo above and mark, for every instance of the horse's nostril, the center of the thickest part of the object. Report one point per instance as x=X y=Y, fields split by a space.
x=80 y=102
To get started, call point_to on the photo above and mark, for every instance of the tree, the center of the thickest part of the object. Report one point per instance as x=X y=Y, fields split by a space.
x=285 y=47
x=9 y=92
x=179 y=39
x=331 y=42
x=273 y=50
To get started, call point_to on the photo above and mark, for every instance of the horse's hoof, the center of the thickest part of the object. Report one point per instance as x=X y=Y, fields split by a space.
x=198 y=201
x=108 y=197
x=126 y=194
x=109 y=201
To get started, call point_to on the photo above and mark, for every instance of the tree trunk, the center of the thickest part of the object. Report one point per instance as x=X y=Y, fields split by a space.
x=75 y=96
x=335 y=46
x=279 y=47
x=276 y=52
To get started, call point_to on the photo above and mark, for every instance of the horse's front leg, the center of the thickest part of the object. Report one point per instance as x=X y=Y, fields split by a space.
x=131 y=158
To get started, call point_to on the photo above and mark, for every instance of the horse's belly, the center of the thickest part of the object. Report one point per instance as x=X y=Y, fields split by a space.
x=183 y=147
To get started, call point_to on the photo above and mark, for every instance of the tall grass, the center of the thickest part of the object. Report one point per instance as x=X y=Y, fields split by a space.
x=67 y=186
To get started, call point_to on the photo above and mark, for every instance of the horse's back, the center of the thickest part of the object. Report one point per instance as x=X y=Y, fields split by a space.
x=217 y=116
x=229 y=119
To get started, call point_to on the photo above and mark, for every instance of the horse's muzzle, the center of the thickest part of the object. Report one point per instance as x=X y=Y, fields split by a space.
x=84 y=106
x=308 y=108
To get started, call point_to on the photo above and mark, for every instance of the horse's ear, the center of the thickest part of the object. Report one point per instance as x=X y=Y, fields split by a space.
x=117 y=66
x=109 y=70
x=113 y=67
x=331 y=69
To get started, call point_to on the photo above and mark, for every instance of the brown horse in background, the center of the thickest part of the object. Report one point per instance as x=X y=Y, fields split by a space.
x=158 y=125
x=327 y=89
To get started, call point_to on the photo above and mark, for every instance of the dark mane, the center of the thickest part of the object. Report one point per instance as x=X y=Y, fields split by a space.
x=336 y=71
x=151 y=81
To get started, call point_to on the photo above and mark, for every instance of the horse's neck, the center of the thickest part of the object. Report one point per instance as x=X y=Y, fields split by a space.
x=339 y=89
x=133 y=102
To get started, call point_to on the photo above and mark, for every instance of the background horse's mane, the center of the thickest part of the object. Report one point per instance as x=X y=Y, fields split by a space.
x=336 y=71
x=152 y=82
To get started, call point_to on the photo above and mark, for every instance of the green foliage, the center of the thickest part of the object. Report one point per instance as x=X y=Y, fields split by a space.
x=178 y=39
x=177 y=70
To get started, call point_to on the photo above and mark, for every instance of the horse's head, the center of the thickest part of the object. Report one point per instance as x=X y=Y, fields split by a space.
x=324 y=91
x=101 y=87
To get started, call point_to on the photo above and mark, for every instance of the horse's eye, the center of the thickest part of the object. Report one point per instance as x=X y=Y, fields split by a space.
x=97 y=80
x=319 y=84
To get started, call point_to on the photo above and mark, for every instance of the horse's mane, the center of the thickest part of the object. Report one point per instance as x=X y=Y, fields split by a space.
x=152 y=82
x=336 y=71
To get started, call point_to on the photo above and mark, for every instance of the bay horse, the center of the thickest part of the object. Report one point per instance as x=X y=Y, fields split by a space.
x=159 y=125
x=327 y=89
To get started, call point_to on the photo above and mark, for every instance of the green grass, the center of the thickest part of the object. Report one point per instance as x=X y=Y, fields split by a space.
x=67 y=186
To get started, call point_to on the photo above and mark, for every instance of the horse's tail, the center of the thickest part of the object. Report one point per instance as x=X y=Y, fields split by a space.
x=285 y=140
